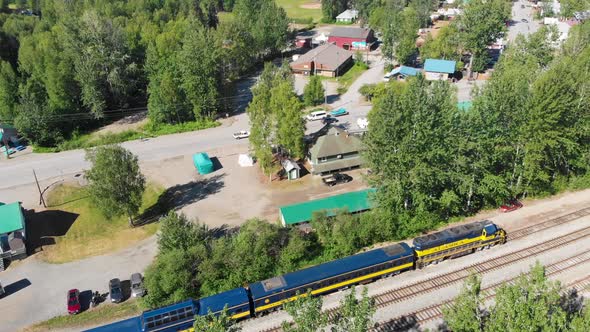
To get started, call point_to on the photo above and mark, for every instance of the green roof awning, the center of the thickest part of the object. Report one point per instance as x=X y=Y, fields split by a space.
x=11 y=218
x=355 y=201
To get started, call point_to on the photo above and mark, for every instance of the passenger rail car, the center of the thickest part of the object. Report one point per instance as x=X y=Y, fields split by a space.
x=271 y=294
x=181 y=316
x=456 y=241
x=265 y=296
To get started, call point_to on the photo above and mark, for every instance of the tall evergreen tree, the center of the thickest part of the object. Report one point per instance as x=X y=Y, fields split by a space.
x=291 y=126
x=8 y=91
x=313 y=94
x=199 y=67
x=262 y=119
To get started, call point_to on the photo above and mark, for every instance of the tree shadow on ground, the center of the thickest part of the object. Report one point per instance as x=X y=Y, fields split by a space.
x=44 y=226
x=16 y=286
x=179 y=196
x=404 y=323
x=332 y=98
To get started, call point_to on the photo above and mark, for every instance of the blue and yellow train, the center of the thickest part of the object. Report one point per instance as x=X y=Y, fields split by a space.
x=265 y=296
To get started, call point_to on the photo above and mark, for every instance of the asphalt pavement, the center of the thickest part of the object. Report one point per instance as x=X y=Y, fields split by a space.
x=519 y=13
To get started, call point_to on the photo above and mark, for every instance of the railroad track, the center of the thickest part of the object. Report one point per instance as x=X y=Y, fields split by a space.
x=421 y=316
x=425 y=286
x=444 y=280
x=520 y=233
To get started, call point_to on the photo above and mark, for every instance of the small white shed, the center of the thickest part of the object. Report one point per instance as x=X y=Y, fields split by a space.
x=291 y=168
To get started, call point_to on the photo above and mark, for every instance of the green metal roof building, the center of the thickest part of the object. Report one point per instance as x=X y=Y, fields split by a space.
x=12 y=232
x=356 y=201
x=11 y=218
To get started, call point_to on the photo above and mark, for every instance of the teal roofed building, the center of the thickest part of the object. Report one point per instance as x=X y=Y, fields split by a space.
x=12 y=233
x=402 y=72
x=352 y=202
x=439 y=69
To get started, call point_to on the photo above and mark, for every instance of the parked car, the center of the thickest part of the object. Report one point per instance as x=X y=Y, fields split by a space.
x=511 y=206
x=115 y=291
x=73 y=301
x=339 y=112
x=317 y=115
x=336 y=178
x=329 y=119
x=137 y=289
x=242 y=134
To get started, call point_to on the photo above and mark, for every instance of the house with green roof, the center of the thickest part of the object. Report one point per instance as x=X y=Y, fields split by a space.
x=352 y=202
x=334 y=151
x=12 y=233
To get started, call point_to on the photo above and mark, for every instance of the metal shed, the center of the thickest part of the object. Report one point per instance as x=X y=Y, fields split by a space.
x=353 y=202
x=203 y=163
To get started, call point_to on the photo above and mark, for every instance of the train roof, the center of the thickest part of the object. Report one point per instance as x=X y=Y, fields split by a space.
x=215 y=303
x=173 y=314
x=329 y=269
x=452 y=234
x=127 y=325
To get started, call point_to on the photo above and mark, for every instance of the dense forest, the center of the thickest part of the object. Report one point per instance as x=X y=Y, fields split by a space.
x=527 y=134
x=67 y=65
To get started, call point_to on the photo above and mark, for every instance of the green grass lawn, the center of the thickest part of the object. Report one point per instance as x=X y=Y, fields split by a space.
x=91 y=233
x=294 y=10
x=104 y=313
x=350 y=76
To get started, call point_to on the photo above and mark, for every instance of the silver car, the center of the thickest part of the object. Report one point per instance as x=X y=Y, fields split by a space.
x=137 y=289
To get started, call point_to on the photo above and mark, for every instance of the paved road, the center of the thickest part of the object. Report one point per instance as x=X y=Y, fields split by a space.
x=351 y=99
x=37 y=291
x=518 y=14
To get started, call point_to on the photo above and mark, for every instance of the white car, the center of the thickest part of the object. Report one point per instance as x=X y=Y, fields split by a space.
x=242 y=134
x=318 y=115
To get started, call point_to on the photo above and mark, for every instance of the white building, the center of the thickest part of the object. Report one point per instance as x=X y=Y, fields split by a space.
x=348 y=16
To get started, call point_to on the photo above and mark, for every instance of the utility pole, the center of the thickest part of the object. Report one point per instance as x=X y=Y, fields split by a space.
x=325 y=92
x=41 y=199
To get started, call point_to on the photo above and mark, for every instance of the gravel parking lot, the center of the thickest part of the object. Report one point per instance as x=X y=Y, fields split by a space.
x=232 y=194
